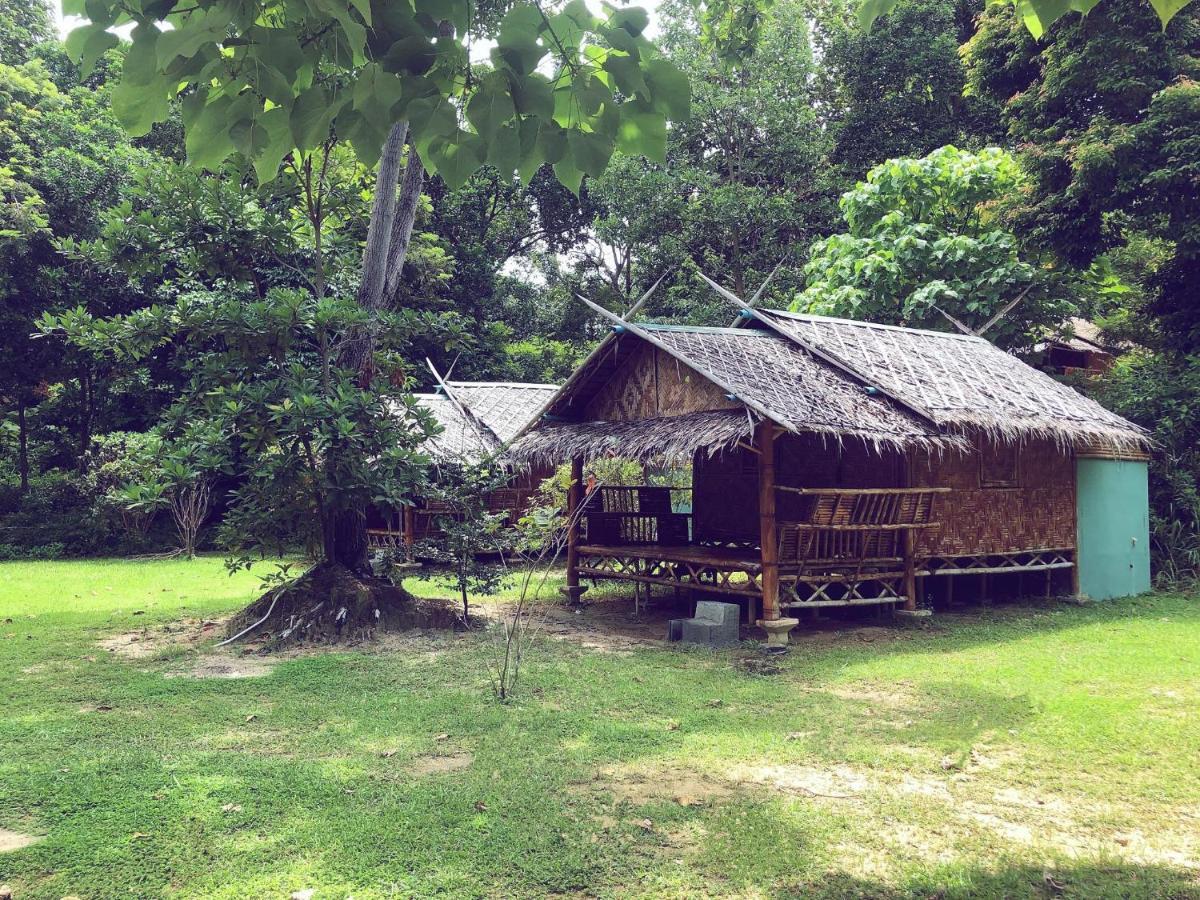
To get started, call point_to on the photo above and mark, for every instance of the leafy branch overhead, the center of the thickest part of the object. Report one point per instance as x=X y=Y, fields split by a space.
x=1038 y=15
x=263 y=78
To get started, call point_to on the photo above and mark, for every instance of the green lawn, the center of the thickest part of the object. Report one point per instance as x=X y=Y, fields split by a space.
x=1012 y=751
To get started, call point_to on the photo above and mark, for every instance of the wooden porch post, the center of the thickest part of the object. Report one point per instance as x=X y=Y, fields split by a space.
x=910 y=577
x=408 y=526
x=574 y=500
x=776 y=626
x=764 y=442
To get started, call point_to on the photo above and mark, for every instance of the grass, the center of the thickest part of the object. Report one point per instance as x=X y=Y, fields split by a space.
x=1010 y=751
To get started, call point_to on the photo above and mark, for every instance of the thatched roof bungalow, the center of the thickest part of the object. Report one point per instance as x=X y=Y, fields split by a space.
x=478 y=419
x=838 y=462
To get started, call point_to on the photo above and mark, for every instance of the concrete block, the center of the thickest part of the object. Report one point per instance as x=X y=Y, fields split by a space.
x=714 y=625
x=675 y=629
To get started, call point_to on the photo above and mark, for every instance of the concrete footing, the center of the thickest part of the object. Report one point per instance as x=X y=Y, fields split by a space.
x=574 y=595
x=914 y=618
x=778 y=630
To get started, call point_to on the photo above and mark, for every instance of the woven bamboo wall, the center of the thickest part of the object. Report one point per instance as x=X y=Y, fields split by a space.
x=652 y=383
x=1037 y=512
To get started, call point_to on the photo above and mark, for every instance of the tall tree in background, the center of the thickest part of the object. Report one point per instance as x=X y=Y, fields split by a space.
x=24 y=24
x=744 y=179
x=274 y=80
x=897 y=89
x=1106 y=113
x=924 y=247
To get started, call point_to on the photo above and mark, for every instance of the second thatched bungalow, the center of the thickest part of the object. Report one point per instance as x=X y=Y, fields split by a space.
x=840 y=463
x=477 y=419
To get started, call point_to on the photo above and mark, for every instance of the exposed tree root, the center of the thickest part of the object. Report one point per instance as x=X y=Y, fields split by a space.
x=329 y=603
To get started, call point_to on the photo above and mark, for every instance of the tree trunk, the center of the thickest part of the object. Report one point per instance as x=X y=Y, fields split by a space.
x=346 y=540
x=402 y=228
x=85 y=417
x=22 y=446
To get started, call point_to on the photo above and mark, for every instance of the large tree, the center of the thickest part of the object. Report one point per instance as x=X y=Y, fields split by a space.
x=923 y=249
x=1105 y=113
x=279 y=79
x=897 y=89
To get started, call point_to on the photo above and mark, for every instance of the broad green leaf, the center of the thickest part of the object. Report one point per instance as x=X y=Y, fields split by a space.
x=430 y=118
x=626 y=73
x=312 y=114
x=490 y=106
x=551 y=141
x=642 y=132
x=669 y=89
x=412 y=55
x=206 y=135
x=570 y=176
x=589 y=152
x=457 y=159
x=376 y=93
x=88 y=43
x=278 y=144
x=533 y=96
x=531 y=151
x=278 y=47
x=139 y=106
x=1167 y=9
x=631 y=19
x=504 y=149
x=356 y=34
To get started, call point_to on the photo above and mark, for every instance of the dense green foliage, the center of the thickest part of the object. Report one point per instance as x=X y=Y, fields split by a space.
x=1105 y=111
x=924 y=245
x=1088 y=207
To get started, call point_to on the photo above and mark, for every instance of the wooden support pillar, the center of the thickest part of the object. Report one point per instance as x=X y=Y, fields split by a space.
x=764 y=442
x=910 y=568
x=574 y=502
x=408 y=526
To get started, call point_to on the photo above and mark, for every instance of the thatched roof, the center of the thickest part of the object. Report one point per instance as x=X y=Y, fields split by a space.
x=884 y=385
x=780 y=381
x=479 y=418
x=672 y=439
x=961 y=383
x=504 y=407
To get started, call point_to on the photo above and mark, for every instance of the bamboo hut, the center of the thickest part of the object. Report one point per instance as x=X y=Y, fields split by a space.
x=477 y=419
x=839 y=463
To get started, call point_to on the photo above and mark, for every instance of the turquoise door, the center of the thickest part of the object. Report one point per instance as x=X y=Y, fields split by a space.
x=1113 y=527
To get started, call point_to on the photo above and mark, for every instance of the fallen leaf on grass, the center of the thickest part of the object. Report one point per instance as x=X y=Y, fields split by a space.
x=306 y=894
x=672 y=726
x=388 y=754
x=441 y=737
x=103 y=707
x=251 y=717
x=951 y=762
x=480 y=806
x=646 y=825
x=231 y=807
x=716 y=701
x=1051 y=884
x=138 y=835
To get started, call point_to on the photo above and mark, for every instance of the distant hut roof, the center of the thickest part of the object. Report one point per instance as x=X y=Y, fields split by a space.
x=884 y=385
x=481 y=417
x=504 y=407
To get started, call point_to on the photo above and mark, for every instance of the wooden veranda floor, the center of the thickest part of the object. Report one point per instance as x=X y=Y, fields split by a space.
x=722 y=570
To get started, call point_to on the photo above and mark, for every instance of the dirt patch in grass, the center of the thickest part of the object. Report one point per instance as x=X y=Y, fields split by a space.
x=11 y=841
x=440 y=765
x=641 y=785
x=833 y=782
x=221 y=665
x=148 y=642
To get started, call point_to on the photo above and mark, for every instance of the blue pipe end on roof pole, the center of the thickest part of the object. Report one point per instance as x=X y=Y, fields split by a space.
x=732 y=397
x=746 y=314
x=618 y=329
x=871 y=389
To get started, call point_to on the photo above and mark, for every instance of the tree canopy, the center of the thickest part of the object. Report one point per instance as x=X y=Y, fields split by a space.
x=923 y=246
x=263 y=78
